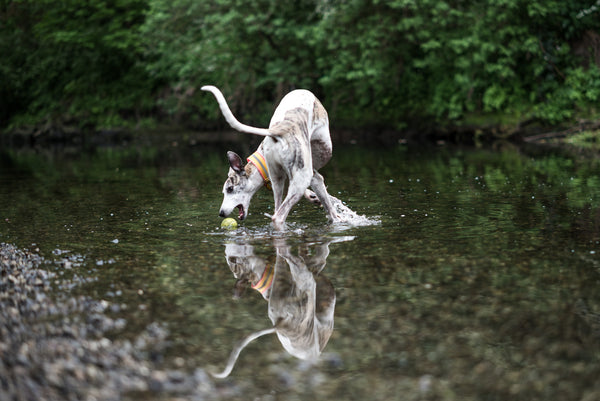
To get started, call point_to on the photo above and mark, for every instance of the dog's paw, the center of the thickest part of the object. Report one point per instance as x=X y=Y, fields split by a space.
x=278 y=226
x=312 y=197
x=336 y=218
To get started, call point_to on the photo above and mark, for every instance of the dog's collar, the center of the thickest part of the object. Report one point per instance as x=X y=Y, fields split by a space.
x=258 y=160
x=266 y=280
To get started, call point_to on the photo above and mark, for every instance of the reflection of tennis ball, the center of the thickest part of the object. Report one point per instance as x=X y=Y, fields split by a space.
x=229 y=223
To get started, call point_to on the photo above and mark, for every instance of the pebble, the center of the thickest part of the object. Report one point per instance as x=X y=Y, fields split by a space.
x=55 y=347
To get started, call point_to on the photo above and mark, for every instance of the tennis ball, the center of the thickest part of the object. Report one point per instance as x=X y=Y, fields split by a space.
x=229 y=223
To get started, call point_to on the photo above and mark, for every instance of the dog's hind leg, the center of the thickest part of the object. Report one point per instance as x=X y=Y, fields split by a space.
x=318 y=185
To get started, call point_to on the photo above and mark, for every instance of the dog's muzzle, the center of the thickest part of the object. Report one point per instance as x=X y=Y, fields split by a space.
x=241 y=214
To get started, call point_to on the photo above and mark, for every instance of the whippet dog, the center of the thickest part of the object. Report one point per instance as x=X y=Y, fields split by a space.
x=301 y=300
x=297 y=144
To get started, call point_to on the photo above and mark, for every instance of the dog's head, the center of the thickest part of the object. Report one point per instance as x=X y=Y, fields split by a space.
x=241 y=184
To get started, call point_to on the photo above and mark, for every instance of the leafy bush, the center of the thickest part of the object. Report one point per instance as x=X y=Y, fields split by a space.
x=386 y=63
x=77 y=60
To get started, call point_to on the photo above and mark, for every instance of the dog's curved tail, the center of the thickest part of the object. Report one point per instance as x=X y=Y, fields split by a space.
x=238 y=349
x=229 y=117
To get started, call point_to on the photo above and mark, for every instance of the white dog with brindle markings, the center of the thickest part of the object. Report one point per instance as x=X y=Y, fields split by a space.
x=297 y=144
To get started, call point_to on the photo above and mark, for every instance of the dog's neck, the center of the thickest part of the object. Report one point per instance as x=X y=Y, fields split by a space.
x=258 y=161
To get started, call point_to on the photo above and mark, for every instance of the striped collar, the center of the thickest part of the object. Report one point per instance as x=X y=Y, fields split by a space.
x=258 y=160
x=265 y=282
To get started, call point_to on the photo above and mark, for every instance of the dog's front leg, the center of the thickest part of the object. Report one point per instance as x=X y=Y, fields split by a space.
x=277 y=185
x=281 y=214
x=296 y=188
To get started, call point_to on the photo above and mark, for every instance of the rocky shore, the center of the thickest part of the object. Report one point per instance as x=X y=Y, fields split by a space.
x=56 y=347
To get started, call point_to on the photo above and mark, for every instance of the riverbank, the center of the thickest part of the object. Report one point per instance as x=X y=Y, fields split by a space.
x=57 y=345
x=582 y=133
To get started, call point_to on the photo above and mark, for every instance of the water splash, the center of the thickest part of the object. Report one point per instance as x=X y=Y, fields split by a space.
x=349 y=217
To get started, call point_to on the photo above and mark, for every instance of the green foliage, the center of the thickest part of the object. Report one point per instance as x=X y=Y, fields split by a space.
x=446 y=58
x=585 y=140
x=77 y=60
x=580 y=93
x=255 y=50
x=390 y=63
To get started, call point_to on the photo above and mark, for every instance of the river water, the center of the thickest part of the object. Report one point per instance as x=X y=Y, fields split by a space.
x=477 y=279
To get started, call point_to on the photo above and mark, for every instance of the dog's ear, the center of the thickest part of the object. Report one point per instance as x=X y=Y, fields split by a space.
x=235 y=162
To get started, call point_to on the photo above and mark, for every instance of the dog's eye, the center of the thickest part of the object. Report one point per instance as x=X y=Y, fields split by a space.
x=229 y=189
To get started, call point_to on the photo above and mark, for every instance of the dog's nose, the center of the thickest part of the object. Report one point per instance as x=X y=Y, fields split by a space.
x=221 y=213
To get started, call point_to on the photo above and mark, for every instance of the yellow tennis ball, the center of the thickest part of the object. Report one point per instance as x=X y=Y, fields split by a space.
x=229 y=223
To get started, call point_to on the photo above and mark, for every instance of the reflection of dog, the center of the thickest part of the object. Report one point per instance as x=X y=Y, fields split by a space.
x=297 y=144
x=301 y=300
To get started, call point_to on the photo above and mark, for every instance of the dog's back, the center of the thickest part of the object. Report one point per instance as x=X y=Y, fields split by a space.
x=302 y=99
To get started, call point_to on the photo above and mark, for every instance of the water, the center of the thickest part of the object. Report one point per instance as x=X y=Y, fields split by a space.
x=479 y=280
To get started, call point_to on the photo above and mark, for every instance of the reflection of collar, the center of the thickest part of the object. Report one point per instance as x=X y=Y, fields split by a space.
x=260 y=163
x=266 y=280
